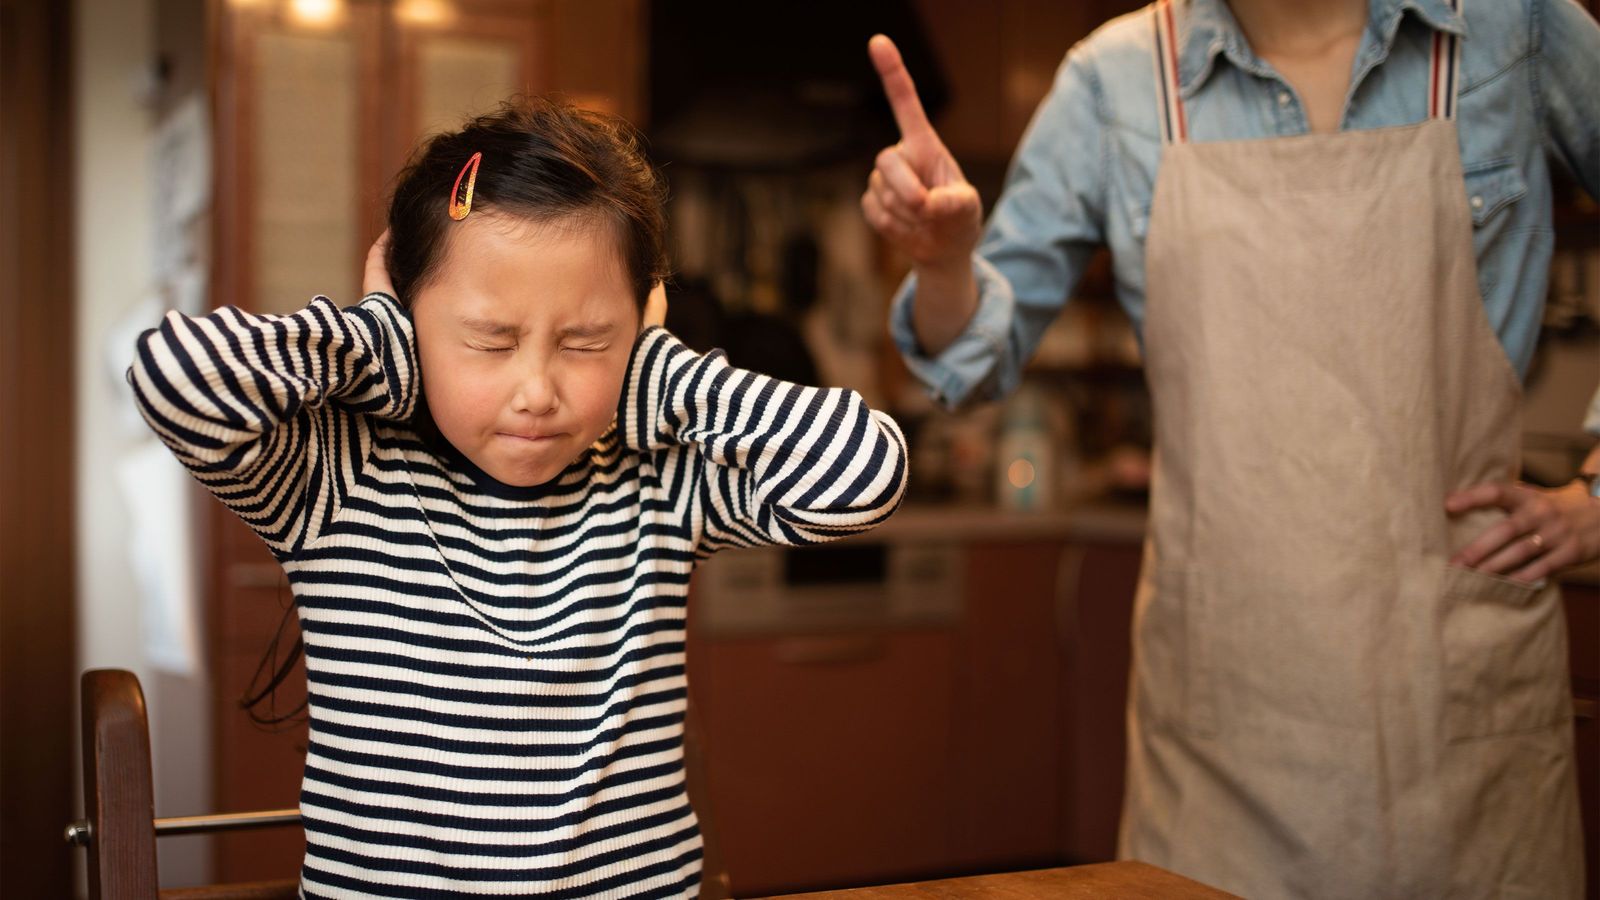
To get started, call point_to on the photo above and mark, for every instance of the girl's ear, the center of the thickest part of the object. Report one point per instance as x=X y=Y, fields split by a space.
x=655 y=307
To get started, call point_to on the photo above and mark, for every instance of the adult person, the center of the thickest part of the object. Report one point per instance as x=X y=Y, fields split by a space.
x=1331 y=220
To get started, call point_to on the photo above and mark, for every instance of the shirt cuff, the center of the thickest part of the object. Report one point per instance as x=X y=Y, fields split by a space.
x=974 y=366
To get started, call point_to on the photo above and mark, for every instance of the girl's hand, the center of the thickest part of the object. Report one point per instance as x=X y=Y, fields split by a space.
x=1546 y=531
x=375 y=278
x=655 y=307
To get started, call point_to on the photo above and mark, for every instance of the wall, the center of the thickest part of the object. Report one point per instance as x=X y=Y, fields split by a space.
x=116 y=97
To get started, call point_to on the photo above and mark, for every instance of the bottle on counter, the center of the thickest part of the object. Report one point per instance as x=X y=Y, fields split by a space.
x=1025 y=460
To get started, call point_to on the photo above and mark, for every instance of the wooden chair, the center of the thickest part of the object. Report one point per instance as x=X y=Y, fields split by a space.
x=120 y=828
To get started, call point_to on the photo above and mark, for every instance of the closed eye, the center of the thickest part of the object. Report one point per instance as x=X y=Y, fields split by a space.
x=585 y=349
x=494 y=349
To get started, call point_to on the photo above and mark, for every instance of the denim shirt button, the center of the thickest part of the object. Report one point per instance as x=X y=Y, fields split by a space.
x=1283 y=98
x=1476 y=201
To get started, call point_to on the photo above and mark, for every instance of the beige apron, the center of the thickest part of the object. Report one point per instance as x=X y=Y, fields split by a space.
x=1322 y=706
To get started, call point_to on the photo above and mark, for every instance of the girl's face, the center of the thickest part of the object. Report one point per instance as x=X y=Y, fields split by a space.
x=524 y=336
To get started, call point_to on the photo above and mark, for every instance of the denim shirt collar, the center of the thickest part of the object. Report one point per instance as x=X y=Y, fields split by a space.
x=1207 y=29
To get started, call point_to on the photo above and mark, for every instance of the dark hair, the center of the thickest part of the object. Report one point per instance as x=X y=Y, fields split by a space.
x=543 y=160
x=257 y=695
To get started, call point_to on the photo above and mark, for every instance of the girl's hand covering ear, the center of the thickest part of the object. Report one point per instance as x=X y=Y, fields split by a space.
x=375 y=278
x=655 y=307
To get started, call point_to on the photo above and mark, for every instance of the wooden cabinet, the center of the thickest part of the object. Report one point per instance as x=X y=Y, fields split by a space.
x=1583 y=634
x=992 y=744
x=829 y=756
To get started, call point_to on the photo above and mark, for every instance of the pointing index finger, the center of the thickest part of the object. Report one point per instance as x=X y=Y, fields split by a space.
x=897 y=85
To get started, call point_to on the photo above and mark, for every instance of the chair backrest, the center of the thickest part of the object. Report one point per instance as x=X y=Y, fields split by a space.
x=119 y=800
x=117 y=793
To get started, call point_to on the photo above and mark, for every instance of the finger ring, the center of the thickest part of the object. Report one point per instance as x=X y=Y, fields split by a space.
x=1537 y=540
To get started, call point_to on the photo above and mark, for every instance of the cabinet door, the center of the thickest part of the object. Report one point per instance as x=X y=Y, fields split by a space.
x=461 y=63
x=1095 y=629
x=1007 y=766
x=827 y=757
x=1583 y=635
x=295 y=121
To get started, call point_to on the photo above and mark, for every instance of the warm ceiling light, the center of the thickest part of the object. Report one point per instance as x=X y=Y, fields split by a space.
x=425 y=13
x=316 y=13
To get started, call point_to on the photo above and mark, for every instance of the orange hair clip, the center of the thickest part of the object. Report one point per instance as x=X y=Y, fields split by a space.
x=461 y=204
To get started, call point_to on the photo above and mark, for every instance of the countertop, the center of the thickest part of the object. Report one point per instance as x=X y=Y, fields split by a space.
x=1101 y=522
x=1091 y=522
x=1130 y=880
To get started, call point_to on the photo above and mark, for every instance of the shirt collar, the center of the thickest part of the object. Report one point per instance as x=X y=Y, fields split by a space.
x=1207 y=29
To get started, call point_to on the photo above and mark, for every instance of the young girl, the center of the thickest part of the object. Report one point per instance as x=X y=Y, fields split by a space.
x=488 y=495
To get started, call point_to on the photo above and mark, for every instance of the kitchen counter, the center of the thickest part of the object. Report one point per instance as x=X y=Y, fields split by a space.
x=957 y=522
x=1102 y=522
x=1131 y=880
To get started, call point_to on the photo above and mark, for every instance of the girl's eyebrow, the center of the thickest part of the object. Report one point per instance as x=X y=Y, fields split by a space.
x=588 y=331
x=502 y=329
x=490 y=327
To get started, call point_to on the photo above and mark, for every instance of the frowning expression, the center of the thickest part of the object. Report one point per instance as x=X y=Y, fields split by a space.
x=524 y=334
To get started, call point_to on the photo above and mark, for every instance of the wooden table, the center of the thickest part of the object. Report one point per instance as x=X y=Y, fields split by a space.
x=1122 y=880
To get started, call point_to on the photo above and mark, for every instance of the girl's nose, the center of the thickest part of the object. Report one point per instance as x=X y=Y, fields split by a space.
x=536 y=391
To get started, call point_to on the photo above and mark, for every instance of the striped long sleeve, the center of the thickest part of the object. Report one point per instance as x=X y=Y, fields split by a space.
x=779 y=463
x=270 y=412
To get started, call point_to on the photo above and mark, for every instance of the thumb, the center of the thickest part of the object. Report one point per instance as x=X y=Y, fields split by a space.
x=954 y=200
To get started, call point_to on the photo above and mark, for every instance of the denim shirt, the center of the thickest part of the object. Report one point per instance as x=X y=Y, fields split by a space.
x=1086 y=168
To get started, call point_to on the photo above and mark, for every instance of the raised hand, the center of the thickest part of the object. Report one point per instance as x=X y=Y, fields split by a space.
x=655 y=307
x=916 y=196
x=375 y=277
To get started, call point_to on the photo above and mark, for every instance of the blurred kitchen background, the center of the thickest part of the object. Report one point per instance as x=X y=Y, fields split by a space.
x=944 y=696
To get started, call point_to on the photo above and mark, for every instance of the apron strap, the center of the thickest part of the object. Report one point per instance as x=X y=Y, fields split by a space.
x=1174 y=130
x=1443 y=68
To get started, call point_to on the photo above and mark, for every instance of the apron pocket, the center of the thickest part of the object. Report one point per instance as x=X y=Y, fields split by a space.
x=1173 y=666
x=1504 y=648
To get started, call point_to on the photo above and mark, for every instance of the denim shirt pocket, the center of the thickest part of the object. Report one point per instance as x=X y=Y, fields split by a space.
x=1491 y=187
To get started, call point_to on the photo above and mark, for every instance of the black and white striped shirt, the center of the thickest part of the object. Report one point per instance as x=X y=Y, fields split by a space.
x=496 y=673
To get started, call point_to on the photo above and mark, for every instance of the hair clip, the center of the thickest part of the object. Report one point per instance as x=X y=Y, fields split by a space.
x=461 y=204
